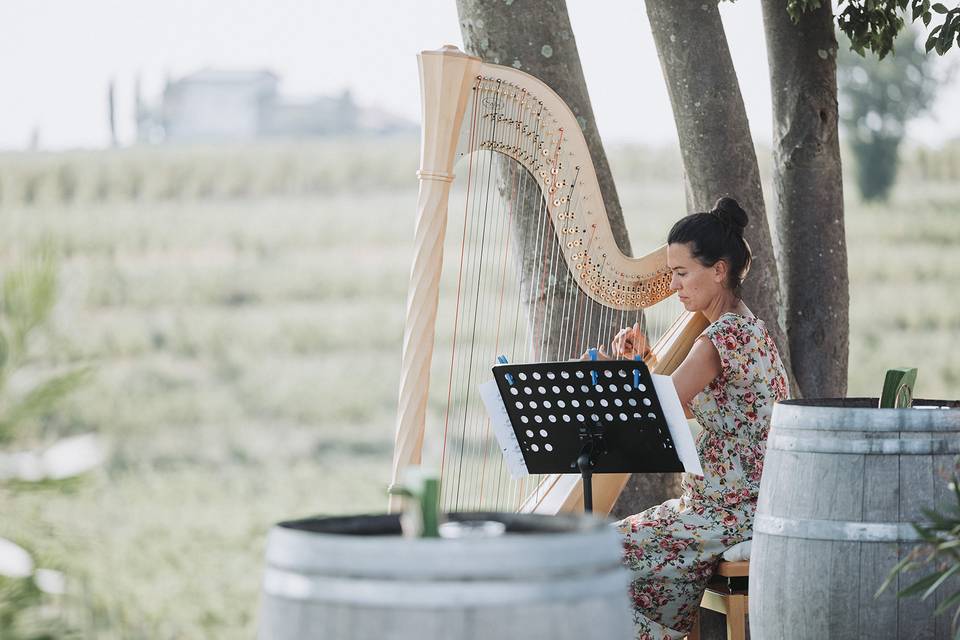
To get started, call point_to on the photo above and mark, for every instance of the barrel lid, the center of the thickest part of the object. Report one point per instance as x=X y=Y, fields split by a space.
x=371 y=546
x=862 y=414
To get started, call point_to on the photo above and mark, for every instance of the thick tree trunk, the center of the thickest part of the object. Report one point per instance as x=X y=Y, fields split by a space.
x=715 y=142
x=808 y=190
x=536 y=37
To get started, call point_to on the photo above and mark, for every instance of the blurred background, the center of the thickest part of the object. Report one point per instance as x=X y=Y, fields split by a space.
x=206 y=221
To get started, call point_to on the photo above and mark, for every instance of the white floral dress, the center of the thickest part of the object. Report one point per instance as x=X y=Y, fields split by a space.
x=673 y=549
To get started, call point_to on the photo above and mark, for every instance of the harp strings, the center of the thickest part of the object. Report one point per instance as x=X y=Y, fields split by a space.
x=492 y=310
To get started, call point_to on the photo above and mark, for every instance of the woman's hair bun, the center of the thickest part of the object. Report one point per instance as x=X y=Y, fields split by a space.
x=731 y=214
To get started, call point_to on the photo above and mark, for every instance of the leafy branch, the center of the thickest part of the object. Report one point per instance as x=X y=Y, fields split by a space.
x=940 y=547
x=874 y=25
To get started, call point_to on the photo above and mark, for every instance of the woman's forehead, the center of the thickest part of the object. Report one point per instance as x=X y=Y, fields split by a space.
x=678 y=254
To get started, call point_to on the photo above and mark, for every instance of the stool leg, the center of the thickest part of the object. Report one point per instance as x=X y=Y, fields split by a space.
x=695 y=631
x=736 y=618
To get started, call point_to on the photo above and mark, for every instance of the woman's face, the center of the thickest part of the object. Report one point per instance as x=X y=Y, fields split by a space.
x=698 y=286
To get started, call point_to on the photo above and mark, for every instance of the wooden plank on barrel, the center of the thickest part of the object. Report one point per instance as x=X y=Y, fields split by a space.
x=944 y=498
x=878 y=616
x=839 y=491
x=916 y=493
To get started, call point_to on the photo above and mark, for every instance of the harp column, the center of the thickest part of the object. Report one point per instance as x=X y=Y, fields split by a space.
x=446 y=78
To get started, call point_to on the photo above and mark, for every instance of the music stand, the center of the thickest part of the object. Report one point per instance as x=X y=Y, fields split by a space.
x=587 y=416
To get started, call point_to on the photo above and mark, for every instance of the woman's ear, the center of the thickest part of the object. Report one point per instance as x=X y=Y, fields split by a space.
x=720 y=268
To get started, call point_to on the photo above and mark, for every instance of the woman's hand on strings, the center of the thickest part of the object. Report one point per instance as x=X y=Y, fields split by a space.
x=601 y=354
x=630 y=342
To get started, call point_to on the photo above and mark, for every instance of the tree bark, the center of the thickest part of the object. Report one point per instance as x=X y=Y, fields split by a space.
x=715 y=142
x=536 y=37
x=808 y=190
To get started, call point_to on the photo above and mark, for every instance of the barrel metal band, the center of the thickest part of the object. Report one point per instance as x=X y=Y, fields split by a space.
x=839 y=530
x=888 y=446
x=440 y=594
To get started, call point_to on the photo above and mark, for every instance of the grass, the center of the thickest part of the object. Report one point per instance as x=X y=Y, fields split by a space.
x=243 y=309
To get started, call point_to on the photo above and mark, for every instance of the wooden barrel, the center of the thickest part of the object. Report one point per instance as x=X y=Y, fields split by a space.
x=841 y=482
x=353 y=578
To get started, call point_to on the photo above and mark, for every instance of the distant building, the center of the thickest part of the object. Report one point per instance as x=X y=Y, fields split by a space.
x=231 y=106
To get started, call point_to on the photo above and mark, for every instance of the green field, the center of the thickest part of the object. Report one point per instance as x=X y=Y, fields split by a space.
x=243 y=309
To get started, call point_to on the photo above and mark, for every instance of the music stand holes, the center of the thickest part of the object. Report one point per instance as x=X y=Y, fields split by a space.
x=519 y=405
x=551 y=375
x=524 y=419
x=534 y=448
x=618 y=402
x=541 y=389
x=556 y=389
x=561 y=404
x=613 y=388
x=536 y=375
x=579 y=374
x=522 y=376
x=626 y=387
x=537 y=419
x=637 y=416
x=551 y=417
x=608 y=373
x=546 y=403
x=529 y=433
x=565 y=375
x=622 y=373
x=603 y=402
x=646 y=402
x=589 y=402
x=548 y=447
x=623 y=417
x=574 y=403
x=642 y=387
x=595 y=417
x=599 y=388
x=652 y=415
x=608 y=416
x=533 y=405
x=566 y=418
x=580 y=418
x=543 y=433
x=514 y=390
x=632 y=402
x=570 y=388
x=527 y=390
x=586 y=389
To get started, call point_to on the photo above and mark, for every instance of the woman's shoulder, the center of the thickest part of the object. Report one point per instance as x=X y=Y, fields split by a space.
x=735 y=331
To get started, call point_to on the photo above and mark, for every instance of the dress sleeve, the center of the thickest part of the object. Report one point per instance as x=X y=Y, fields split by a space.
x=730 y=339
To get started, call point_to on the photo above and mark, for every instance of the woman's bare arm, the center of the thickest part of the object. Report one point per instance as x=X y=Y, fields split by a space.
x=696 y=371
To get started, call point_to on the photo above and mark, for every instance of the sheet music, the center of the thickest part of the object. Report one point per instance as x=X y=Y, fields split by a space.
x=677 y=422
x=500 y=422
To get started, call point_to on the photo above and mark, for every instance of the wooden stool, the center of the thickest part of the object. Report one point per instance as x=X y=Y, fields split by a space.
x=727 y=594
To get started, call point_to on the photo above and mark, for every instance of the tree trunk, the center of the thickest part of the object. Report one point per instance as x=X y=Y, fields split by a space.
x=715 y=142
x=536 y=37
x=808 y=189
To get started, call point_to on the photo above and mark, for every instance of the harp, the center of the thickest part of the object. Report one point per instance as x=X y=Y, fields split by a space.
x=531 y=271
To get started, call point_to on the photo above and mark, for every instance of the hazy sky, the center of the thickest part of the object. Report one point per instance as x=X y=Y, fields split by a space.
x=57 y=58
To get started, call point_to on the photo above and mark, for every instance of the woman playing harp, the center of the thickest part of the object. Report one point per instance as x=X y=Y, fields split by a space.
x=729 y=381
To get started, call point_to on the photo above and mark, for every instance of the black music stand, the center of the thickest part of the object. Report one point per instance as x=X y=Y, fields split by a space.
x=587 y=417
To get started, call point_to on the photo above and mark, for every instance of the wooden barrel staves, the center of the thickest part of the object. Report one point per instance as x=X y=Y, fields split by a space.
x=355 y=578
x=841 y=482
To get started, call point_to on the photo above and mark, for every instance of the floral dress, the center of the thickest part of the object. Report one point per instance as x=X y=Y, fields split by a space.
x=673 y=549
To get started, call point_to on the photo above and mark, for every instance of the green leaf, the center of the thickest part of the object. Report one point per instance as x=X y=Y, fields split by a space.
x=939 y=8
x=904 y=565
x=946 y=604
x=40 y=400
x=943 y=578
x=919 y=586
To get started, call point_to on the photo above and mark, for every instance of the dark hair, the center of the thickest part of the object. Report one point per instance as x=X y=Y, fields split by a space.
x=717 y=235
